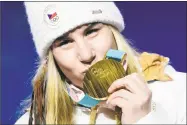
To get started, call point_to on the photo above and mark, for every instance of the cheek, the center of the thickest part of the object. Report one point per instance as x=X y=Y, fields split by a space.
x=103 y=42
x=63 y=59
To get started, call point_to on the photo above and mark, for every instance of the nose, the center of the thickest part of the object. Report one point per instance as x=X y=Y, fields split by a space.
x=86 y=53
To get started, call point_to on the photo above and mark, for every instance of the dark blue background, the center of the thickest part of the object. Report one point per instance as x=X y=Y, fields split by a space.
x=152 y=26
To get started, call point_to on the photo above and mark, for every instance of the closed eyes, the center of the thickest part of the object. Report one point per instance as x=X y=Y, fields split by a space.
x=90 y=31
x=65 y=42
x=87 y=33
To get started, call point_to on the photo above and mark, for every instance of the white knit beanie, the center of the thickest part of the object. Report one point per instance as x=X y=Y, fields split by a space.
x=49 y=20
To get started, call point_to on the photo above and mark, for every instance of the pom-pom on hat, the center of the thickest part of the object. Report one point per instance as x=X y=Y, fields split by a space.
x=49 y=20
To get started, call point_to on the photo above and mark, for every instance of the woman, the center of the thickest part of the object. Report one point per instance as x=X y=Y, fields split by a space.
x=72 y=36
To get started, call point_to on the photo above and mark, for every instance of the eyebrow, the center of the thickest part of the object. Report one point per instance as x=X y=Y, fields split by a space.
x=65 y=36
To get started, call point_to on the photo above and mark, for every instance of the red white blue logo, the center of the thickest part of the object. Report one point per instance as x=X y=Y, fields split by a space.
x=51 y=16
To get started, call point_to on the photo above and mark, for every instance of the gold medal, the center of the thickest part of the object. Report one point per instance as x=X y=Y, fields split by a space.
x=100 y=76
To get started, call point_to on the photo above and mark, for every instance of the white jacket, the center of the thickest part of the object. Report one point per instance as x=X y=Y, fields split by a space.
x=169 y=104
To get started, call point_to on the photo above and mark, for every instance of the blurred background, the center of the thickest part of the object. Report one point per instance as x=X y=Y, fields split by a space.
x=158 y=27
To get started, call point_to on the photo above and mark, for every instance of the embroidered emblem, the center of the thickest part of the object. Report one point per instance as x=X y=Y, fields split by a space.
x=51 y=16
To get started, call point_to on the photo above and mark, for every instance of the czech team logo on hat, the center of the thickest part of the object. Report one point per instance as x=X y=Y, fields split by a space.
x=51 y=15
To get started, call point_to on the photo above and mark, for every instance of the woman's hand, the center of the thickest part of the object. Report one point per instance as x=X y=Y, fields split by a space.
x=132 y=95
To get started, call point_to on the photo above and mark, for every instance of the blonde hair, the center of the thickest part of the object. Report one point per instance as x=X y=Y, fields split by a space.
x=59 y=104
x=132 y=53
x=51 y=102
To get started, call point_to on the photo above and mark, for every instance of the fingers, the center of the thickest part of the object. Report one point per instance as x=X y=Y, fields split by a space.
x=105 y=105
x=120 y=102
x=133 y=82
x=125 y=82
x=119 y=84
x=122 y=94
x=120 y=98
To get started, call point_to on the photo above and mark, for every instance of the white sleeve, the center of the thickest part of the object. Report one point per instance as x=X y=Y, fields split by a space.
x=157 y=116
x=181 y=98
x=24 y=119
x=161 y=115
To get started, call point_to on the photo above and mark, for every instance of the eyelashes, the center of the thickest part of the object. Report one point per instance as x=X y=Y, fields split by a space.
x=91 y=31
x=65 y=42
x=68 y=41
